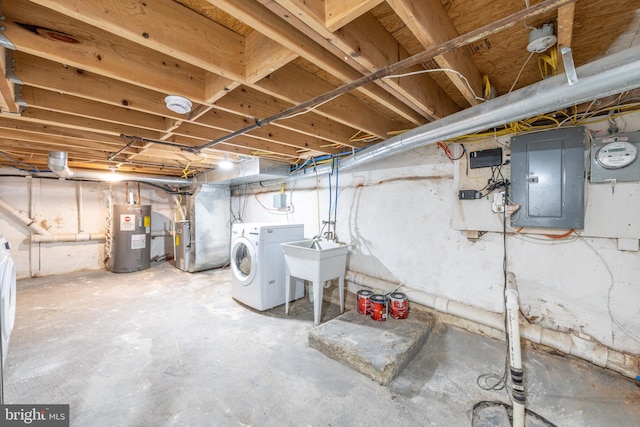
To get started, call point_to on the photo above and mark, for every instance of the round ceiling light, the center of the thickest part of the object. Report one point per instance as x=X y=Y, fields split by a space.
x=178 y=104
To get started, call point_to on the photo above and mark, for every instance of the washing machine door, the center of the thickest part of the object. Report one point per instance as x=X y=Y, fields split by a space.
x=243 y=261
x=8 y=299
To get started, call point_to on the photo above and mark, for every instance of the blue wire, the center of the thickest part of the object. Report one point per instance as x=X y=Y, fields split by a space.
x=335 y=208
x=330 y=196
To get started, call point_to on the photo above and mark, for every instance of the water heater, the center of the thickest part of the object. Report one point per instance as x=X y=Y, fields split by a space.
x=131 y=238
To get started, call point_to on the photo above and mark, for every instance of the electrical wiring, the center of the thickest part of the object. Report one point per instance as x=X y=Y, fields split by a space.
x=31 y=168
x=520 y=72
x=496 y=181
x=318 y=200
x=273 y=211
x=548 y=64
x=186 y=172
x=361 y=136
x=308 y=110
x=508 y=408
x=448 y=153
x=436 y=70
x=530 y=124
x=497 y=382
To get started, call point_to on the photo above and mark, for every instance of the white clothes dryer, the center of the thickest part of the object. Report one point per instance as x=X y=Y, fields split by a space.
x=257 y=263
x=7 y=296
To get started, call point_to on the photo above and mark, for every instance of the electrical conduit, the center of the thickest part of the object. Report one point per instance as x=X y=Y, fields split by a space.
x=581 y=346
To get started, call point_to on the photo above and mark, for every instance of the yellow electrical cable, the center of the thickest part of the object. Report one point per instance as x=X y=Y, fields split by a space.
x=548 y=64
x=487 y=87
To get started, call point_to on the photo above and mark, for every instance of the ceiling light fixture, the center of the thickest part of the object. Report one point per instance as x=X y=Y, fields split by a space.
x=541 y=39
x=225 y=163
x=178 y=104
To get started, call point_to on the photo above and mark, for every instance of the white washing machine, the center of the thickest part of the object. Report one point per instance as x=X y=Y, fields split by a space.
x=257 y=263
x=7 y=296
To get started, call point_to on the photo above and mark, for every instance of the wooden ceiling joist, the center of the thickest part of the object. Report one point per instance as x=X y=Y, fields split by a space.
x=282 y=79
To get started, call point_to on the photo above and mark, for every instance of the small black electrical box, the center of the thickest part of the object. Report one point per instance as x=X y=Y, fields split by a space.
x=469 y=194
x=485 y=158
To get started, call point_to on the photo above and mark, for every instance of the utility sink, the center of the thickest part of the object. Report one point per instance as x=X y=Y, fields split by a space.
x=316 y=261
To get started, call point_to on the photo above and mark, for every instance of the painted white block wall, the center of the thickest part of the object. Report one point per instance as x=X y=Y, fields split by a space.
x=397 y=214
x=55 y=205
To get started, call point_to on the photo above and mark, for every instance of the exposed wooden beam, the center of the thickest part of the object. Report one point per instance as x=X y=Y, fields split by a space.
x=163 y=26
x=101 y=52
x=340 y=12
x=277 y=25
x=294 y=85
x=46 y=74
x=63 y=103
x=264 y=56
x=38 y=115
x=429 y=22
x=565 y=30
x=7 y=87
x=366 y=40
x=253 y=104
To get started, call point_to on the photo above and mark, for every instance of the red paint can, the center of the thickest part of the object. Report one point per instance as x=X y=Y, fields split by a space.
x=364 y=301
x=379 y=307
x=399 y=305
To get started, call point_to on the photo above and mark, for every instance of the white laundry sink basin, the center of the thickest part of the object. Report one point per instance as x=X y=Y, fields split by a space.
x=315 y=260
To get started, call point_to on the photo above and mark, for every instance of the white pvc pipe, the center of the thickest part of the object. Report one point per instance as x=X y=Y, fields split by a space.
x=80 y=237
x=69 y=237
x=515 y=353
x=24 y=218
x=581 y=346
x=80 y=202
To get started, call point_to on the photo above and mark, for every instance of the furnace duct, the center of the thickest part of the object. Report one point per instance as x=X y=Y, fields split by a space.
x=607 y=76
x=57 y=162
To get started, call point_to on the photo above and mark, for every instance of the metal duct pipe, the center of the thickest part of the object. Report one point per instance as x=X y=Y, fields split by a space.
x=57 y=161
x=613 y=74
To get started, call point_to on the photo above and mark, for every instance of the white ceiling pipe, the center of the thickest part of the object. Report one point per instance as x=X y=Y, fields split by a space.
x=57 y=162
x=613 y=74
x=582 y=346
x=23 y=218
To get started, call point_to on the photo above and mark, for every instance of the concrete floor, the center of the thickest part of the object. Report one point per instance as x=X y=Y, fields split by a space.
x=166 y=348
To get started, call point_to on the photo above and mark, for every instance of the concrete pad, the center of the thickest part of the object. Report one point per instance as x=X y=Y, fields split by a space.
x=379 y=350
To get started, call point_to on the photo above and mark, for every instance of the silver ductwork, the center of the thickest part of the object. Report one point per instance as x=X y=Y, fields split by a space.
x=57 y=162
x=613 y=74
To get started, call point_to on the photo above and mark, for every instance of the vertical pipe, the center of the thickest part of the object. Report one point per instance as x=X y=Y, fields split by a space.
x=80 y=203
x=515 y=353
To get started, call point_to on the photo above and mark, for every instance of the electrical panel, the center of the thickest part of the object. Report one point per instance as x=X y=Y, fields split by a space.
x=614 y=158
x=548 y=177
